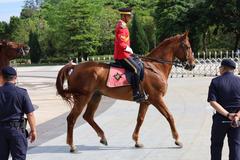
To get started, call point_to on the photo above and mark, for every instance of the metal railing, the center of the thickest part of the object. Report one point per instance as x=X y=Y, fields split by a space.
x=207 y=64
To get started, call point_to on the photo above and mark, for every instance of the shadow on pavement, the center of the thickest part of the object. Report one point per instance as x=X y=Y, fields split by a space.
x=84 y=148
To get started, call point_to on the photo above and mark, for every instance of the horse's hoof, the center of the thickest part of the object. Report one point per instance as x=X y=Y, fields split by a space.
x=104 y=142
x=139 y=145
x=179 y=144
x=73 y=149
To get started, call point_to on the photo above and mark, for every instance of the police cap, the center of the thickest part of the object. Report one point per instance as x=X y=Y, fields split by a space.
x=127 y=11
x=9 y=71
x=228 y=63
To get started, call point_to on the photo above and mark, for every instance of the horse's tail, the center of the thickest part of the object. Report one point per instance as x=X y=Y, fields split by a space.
x=63 y=75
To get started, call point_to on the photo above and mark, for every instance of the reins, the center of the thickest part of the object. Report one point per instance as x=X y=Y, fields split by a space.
x=175 y=63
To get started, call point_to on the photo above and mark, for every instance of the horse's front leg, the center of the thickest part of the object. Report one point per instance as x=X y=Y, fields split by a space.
x=141 y=115
x=79 y=103
x=161 y=106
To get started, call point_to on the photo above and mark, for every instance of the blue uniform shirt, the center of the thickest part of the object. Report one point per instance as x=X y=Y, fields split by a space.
x=14 y=102
x=225 y=90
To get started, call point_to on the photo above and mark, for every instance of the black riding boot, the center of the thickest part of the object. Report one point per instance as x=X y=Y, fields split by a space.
x=137 y=96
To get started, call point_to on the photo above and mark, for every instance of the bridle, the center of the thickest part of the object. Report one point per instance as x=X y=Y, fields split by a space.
x=176 y=63
x=185 y=49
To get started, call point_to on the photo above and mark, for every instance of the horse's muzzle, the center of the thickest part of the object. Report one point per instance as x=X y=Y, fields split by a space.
x=189 y=66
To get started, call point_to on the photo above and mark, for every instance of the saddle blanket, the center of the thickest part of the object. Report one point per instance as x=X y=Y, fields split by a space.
x=117 y=77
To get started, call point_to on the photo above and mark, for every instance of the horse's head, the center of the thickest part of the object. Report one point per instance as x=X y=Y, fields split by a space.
x=13 y=50
x=184 y=52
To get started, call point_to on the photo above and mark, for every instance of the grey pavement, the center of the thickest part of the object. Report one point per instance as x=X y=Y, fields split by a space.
x=186 y=99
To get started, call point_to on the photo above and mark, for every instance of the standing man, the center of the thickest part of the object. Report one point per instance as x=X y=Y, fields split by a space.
x=123 y=54
x=224 y=97
x=14 y=103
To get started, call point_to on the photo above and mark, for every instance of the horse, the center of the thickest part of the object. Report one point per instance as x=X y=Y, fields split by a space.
x=87 y=83
x=10 y=50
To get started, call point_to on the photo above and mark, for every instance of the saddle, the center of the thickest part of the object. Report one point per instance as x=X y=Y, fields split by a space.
x=119 y=76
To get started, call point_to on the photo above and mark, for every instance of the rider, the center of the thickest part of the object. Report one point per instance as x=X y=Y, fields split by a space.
x=123 y=54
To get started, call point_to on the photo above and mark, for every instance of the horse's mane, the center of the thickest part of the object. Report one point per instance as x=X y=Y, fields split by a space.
x=165 y=42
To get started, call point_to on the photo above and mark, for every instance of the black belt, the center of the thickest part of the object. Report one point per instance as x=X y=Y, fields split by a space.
x=12 y=124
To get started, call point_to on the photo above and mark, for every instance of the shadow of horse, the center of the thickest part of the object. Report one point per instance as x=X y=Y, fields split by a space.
x=84 y=148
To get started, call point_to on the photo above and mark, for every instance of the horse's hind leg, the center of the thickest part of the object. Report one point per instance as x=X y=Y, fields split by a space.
x=79 y=103
x=89 y=116
x=161 y=106
x=141 y=115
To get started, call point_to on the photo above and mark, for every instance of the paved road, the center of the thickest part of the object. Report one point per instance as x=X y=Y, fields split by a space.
x=186 y=99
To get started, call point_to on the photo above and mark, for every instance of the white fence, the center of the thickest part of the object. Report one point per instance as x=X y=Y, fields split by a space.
x=207 y=64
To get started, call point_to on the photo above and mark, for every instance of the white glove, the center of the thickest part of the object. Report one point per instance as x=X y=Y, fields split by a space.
x=128 y=49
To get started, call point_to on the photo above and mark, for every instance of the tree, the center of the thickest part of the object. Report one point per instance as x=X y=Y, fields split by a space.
x=29 y=8
x=169 y=17
x=81 y=26
x=107 y=20
x=227 y=14
x=213 y=24
x=198 y=22
x=12 y=27
x=139 y=41
x=35 y=51
x=3 y=28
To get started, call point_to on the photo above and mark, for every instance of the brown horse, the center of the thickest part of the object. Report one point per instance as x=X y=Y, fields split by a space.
x=87 y=83
x=9 y=51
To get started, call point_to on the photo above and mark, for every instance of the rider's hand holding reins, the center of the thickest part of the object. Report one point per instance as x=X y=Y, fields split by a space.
x=128 y=49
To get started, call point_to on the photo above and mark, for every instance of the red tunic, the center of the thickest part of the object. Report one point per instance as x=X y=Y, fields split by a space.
x=122 y=40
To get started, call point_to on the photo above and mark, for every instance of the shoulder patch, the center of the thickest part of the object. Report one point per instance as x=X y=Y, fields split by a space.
x=123 y=25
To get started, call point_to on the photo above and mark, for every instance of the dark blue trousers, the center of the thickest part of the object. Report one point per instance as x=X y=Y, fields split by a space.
x=12 y=140
x=219 y=131
x=132 y=65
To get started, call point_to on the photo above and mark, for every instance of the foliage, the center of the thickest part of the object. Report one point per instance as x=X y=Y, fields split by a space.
x=81 y=28
x=213 y=24
x=3 y=30
x=169 y=16
x=35 y=51
x=139 y=40
x=107 y=20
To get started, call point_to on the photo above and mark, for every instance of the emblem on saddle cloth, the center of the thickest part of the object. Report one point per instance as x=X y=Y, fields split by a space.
x=117 y=77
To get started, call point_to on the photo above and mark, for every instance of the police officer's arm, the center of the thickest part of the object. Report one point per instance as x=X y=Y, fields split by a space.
x=32 y=124
x=238 y=114
x=28 y=110
x=212 y=99
x=219 y=108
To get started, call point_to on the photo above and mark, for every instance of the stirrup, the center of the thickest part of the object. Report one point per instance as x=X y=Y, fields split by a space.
x=140 y=97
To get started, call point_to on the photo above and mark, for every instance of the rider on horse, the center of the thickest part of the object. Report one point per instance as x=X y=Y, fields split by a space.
x=123 y=54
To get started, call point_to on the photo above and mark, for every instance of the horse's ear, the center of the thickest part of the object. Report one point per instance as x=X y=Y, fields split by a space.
x=185 y=34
